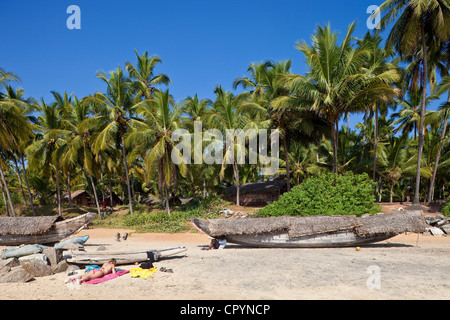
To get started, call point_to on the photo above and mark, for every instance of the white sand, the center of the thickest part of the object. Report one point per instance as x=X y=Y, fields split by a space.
x=410 y=266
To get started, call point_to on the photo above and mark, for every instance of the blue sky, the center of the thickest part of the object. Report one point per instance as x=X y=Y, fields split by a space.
x=201 y=43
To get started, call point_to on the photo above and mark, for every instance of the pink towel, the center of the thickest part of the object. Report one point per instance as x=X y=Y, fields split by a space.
x=107 y=277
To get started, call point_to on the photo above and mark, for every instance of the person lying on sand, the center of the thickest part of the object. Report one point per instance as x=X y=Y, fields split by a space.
x=107 y=268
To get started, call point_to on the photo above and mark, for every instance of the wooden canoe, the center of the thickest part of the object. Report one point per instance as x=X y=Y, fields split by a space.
x=122 y=257
x=311 y=231
x=55 y=231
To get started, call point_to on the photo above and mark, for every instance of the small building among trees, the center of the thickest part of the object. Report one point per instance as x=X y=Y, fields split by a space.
x=257 y=193
x=79 y=198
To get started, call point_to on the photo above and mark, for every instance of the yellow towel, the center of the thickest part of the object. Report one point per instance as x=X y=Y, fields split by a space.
x=142 y=273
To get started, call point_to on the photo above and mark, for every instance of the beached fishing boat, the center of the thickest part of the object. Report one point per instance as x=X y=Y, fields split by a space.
x=312 y=231
x=122 y=257
x=40 y=230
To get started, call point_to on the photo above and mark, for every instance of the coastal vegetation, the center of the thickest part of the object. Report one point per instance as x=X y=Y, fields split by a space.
x=120 y=140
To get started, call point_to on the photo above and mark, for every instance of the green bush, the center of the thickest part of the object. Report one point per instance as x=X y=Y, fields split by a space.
x=328 y=194
x=446 y=208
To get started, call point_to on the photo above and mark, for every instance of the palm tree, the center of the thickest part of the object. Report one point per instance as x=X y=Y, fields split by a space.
x=143 y=74
x=443 y=115
x=377 y=65
x=418 y=25
x=337 y=82
x=115 y=121
x=225 y=115
x=43 y=152
x=78 y=151
x=154 y=135
x=16 y=97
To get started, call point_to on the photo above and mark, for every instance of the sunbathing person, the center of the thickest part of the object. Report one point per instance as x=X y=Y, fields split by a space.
x=107 y=268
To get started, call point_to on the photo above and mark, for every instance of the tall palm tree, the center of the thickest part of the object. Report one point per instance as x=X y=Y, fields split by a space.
x=418 y=24
x=26 y=106
x=443 y=116
x=162 y=117
x=336 y=81
x=43 y=152
x=143 y=74
x=116 y=122
x=225 y=115
x=78 y=150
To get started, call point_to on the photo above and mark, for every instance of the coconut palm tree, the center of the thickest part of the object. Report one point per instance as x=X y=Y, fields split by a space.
x=338 y=80
x=225 y=115
x=154 y=135
x=143 y=74
x=43 y=153
x=418 y=24
x=116 y=122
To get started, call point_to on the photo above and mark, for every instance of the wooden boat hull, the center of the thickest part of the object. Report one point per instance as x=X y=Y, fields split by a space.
x=325 y=240
x=122 y=257
x=59 y=231
x=312 y=231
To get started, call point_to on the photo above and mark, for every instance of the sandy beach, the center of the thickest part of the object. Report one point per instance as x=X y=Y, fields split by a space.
x=406 y=267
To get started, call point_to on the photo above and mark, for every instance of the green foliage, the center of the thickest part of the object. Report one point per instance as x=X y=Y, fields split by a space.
x=446 y=209
x=177 y=220
x=328 y=194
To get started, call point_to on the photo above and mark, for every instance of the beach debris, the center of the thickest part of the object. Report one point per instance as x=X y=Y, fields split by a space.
x=438 y=225
x=37 y=267
x=76 y=240
x=18 y=274
x=228 y=213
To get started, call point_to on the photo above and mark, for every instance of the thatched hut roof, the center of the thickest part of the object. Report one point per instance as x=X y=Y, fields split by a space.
x=391 y=223
x=75 y=194
x=263 y=186
x=27 y=225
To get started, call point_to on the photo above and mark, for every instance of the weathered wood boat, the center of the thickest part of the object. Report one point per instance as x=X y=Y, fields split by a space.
x=21 y=251
x=312 y=231
x=40 y=230
x=78 y=240
x=122 y=257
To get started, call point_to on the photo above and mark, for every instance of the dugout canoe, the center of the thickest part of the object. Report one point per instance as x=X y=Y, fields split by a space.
x=40 y=230
x=122 y=257
x=312 y=231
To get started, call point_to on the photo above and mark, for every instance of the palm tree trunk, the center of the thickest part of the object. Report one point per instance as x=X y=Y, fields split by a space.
x=110 y=190
x=20 y=181
x=286 y=158
x=7 y=192
x=375 y=144
x=422 y=112
x=69 y=190
x=95 y=196
x=5 y=202
x=436 y=161
x=335 y=146
x=392 y=192
x=58 y=191
x=28 y=185
x=236 y=176
x=125 y=163
x=166 y=196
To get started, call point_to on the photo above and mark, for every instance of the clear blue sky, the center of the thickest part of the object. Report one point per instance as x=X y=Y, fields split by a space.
x=201 y=43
